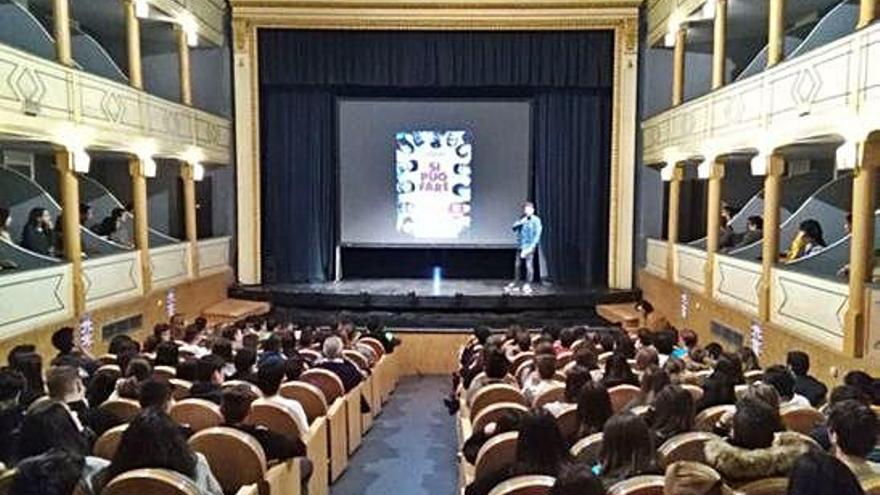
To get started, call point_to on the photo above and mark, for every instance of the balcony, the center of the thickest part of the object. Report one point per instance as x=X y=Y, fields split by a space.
x=820 y=93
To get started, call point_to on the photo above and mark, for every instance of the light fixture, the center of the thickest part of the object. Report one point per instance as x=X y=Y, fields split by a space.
x=141 y=9
x=81 y=161
x=672 y=26
x=198 y=171
x=847 y=156
x=759 y=164
x=150 y=167
x=708 y=10
x=190 y=29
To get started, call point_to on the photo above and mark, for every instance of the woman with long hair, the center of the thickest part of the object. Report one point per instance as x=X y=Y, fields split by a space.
x=618 y=372
x=593 y=408
x=673 y=413
x=627 y=449
x=38 y=234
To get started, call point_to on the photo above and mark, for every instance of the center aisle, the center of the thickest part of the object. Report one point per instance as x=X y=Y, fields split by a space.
x=411 y=448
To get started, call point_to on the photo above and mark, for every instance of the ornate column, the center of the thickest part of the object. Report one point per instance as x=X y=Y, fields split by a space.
x=713 y=222
x=678 y=62
x=247 y=166
x=68 y=185
x=719 y=44
x=867 y=12
x=672 y=224
x=133 y=41
x=61 y=17
x=776 y=33
x=141 y=223
x=770 y=247
x=189 y=208
x=861 y=255
x=185 y=71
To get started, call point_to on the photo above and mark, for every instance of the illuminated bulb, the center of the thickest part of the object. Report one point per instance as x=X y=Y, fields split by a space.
x=149 y=167
x=81 y=161
x=191 y=29
x=141 y=9
x=198 y=172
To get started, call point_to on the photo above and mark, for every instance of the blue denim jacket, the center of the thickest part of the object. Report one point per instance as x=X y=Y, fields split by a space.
x=528 y=232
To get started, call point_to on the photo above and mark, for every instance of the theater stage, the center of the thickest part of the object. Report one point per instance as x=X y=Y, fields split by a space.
x=419 y=303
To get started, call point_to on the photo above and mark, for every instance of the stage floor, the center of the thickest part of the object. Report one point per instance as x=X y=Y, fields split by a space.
x=418 y=302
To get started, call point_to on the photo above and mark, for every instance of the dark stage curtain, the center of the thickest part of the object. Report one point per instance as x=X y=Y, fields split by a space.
x=567 y=74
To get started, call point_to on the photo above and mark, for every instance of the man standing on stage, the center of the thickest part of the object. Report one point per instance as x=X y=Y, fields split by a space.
x=528 y=234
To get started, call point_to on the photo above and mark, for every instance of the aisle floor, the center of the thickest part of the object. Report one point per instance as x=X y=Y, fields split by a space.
x=411 y=449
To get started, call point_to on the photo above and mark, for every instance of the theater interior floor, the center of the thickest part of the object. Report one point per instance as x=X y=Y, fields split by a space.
x=411 y=448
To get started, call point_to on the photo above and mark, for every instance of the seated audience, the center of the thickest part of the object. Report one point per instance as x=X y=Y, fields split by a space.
x=38 y=234
x=294 y=367
x=783 y=381
x=575 y=380
x=693 y=478
x=496 y=367
x=804 y=384
x=853 y=432
x=57 y=472
x=627 y=450
x=334 y=361
x=545 y=379
x=754 y=232
x=102 y=385
x=11 y=413
x=575 y=480
x=376 y=329
x=645 y=357
x=161 y=333
x=269 y=378
x=673 y=414
x=66 y=386
x=167 y=354
x=153 y=440
x=618 y=372
x=209 y=379
x=245 y=361
x=749 y=359
x=235 y=407
x=808 y=241
x=593 y=409
x=654 y=380
x=50 y=426
x=137 y=371
x=30 y=365
x=540 y=449
x=70 y=353
x=755 y=449
x=816 y=473
x=664 y=342
x=509 y=421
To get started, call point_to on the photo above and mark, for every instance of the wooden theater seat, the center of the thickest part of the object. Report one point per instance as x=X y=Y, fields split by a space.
x=111 y=368
x=357 y=359
x=374 y=344
x=354 y=417
x=315 y=404
x=563 y=359
x=106 y=359
x=587 y=449
x=708 y=418
x=801 y=419
x=525 y=485
x=554 y=394
x=6 y=479
x=164 y=372
x=871 y=485
x=124 y=409
x=753 y=376
x=493 y=394
x=239 y=383
x=278 y=419
x=622 y=395
x=494 y=412
x=179 y=388
x=106 y=445
x=685 y=447
x=198 y=414
x=568 y=422
x=639 y=485
x=236 y=458
x=309 y=396
x=766 y=486
x=310 y=355
x=151 y=482
x=695 y=391
x=326 y=381
x=496 y=454
x=521 y=358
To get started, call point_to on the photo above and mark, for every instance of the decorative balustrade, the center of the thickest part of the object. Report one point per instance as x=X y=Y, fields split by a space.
x=656 y=257
x=170 y=264
x=112 y=279
x=690 y=267
x=32 y=298
x=213 y=255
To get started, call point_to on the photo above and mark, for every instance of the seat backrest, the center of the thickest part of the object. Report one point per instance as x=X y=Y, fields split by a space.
x=587 y=449
x=639 y=485
x=801 y=419
x=622 y=395
x=309 y=396
x=274 y=417
x=106 y=359
x=496 y=454
x=701 y=376
x=685 y=447
x=766 y=486
x=327 y=381
x=179 y=388
x=753 y=376
x=6 y=479
x=603 y=357
x=357 y=358
x=164 y=372
x=563 y=358
x=695 y=391
x=493 y=394
x=198 y=414
x=106 y=445
x=871 y=485
x=494 y=412
x=553 y=394
x=310 y=355
x=374 y=344
x=525 y=485
x=568 y=422
x=150 y=482
x=123 y=409
x=238 y=383
x=707 y=418
x=236 y=458
x=521 y=358
x=109 y=368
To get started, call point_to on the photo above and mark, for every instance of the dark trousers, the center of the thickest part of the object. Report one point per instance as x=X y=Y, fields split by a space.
x=529 y=262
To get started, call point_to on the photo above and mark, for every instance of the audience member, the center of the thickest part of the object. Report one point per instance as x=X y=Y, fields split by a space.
x=38 y=234
x=593 y=408
x=209 y=379
x=30 y=365
x=66 y=386
x=627 y=449
x=56 y=472
x=269 y=377
x=245 y=360
x=853 y=432
x=333 y=361
x=575 y=480
x=545 y=379
x=235 y=407
x=693 y=478
x=673 y=413
x=804 y=384
x=12 y=385
x=783 y=381
x=816 y=473
x=808 y=241
x=618 y=372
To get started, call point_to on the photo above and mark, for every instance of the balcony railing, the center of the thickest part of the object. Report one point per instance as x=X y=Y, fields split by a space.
x=33 y=298
x=820 y=93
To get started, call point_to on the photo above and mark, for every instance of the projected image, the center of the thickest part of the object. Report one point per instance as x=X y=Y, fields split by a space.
x=433 y=170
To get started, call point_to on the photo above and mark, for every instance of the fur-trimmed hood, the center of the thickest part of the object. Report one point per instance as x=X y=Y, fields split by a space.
x=739 y=464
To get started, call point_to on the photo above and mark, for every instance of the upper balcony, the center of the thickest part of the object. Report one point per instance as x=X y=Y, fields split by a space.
x=91 y=102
